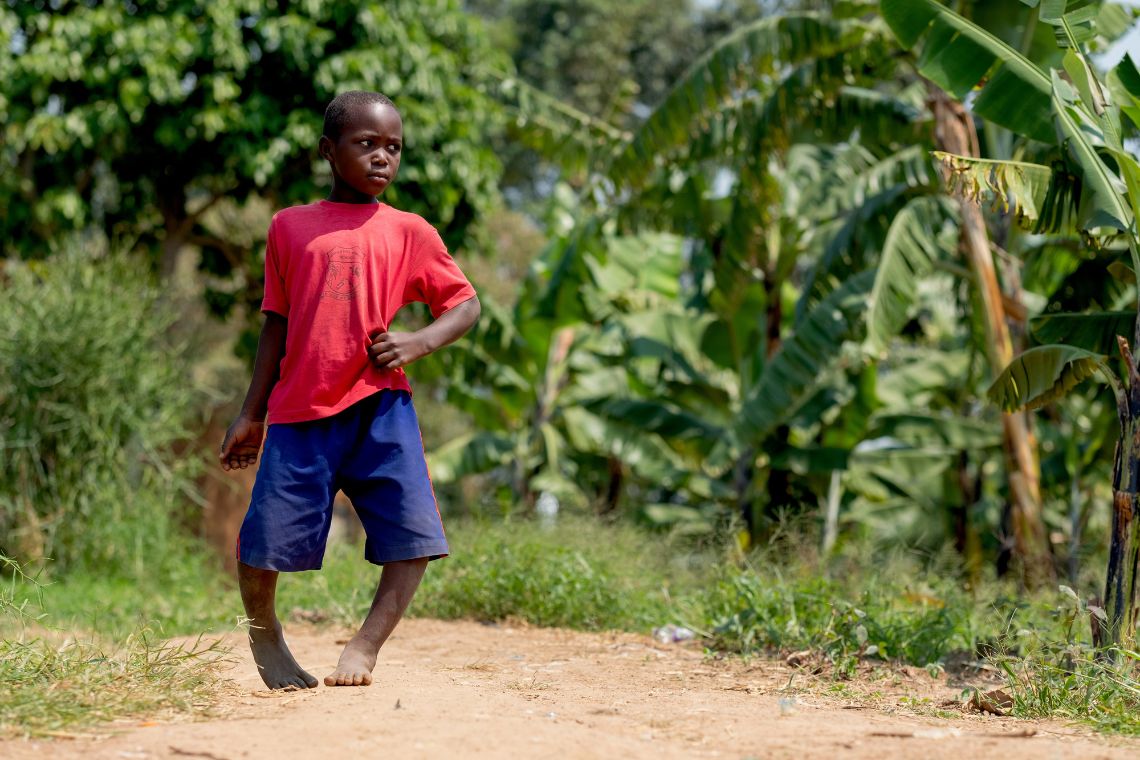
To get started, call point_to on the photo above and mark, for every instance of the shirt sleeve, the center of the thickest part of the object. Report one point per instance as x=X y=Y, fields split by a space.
x=276 y=298
x=435 y=278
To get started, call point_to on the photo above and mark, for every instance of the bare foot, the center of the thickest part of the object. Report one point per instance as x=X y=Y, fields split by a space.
x=275 y=662
x=355 y=666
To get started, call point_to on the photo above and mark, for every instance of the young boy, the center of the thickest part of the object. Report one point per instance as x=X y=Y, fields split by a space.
x=330 y=376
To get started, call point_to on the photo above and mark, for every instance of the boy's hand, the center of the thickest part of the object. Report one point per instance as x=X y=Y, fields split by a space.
x=241 y=444
x=390 y=350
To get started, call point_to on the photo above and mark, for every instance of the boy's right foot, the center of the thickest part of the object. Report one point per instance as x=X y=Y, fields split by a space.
x=275 y=662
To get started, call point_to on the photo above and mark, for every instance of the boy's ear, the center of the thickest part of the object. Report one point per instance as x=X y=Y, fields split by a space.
x=324 y=147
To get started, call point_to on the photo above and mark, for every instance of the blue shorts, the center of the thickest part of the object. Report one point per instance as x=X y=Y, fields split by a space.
x=373 y=452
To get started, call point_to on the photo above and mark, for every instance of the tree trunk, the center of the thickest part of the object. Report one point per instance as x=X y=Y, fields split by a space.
x=614 y=486
x=742 y=477
x=554 y=379
x=966 y=538
x=779 y=480
x=954 y=133
x=1120 y=597
x=1075 y=526
x=176 y=225
x=831 y=517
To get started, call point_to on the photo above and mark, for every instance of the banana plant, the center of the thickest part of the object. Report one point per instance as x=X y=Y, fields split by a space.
x=545 y=380
x=1093 y=184
x=722 y=162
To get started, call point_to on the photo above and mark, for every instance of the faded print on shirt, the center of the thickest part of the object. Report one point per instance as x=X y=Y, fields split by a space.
x=344 y=273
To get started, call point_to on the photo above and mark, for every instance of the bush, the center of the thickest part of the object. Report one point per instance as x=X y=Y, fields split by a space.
x=582 y=574
x=754 y=610
x=92 y=399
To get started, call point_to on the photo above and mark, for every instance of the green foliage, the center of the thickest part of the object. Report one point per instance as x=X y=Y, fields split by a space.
x=1073 y=683
x=94 y=395
x=921 y=234
x=957 y=55
x=1044 y=374
x=139 y=117
x=1096 y=332
x=183 y=595
x=599 y=56
x=1038 y=196
x=580 y=574
x=750 y=55
x=791 y=373
x=549 y=586
x=1104 y=201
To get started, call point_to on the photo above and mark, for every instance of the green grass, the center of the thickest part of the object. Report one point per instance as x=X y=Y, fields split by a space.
x=583 y=575
x=1058 y=674
x=1077 y=684
x=91 y=475
x=57 y=682
x=759 y=610
x=178 y=600
x=53 y=688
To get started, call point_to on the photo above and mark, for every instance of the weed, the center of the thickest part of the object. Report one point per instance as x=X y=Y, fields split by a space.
x=1063 y=676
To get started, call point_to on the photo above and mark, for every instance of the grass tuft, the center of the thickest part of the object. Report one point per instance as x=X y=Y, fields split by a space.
x=1102 y=691
x=56 y=684
x=52 y=689
x=1061 y=675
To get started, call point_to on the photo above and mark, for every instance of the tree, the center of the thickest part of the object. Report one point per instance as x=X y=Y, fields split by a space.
x=1093 y=184
x=139 y=118
x=599 y=56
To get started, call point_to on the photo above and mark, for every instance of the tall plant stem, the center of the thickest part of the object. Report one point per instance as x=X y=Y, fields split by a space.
x=954 y=133
x=1120 y=584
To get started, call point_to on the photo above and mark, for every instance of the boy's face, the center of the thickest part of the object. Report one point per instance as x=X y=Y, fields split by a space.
x=366 y=156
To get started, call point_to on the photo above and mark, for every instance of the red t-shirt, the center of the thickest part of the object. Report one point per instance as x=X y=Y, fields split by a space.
x=339 y=272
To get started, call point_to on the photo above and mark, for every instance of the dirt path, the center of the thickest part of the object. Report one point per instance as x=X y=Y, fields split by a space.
x=463 y=689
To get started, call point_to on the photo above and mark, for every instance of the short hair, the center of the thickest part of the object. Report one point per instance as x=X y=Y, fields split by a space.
x=342 y=106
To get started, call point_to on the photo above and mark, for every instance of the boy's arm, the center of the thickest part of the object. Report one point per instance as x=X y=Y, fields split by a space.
x=243 y=439
x=390 y=350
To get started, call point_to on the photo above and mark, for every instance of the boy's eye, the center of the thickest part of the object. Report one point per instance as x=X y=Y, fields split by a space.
x=394 y=148
x=366 y=143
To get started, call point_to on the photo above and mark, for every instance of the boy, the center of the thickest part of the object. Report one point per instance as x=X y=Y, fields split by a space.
x=330 y=376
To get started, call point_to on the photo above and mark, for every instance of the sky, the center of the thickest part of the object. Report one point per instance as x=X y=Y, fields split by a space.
x=1129 y=43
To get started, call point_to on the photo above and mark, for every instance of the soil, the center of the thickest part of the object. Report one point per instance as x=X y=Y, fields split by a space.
x=462 y=689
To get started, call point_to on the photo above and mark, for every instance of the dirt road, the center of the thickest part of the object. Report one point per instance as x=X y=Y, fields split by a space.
x=468 y=690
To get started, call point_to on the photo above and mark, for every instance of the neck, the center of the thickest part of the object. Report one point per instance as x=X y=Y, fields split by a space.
x=342 y=193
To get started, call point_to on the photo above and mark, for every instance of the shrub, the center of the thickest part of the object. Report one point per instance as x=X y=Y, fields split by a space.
x=93 y=396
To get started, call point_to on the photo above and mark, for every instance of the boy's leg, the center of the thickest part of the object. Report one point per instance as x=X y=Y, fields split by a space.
x=285 y=529
x=398 y=583
x=387 y=480
x=275 y=662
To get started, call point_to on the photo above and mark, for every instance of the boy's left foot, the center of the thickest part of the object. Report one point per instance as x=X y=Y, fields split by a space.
x=355 y=666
